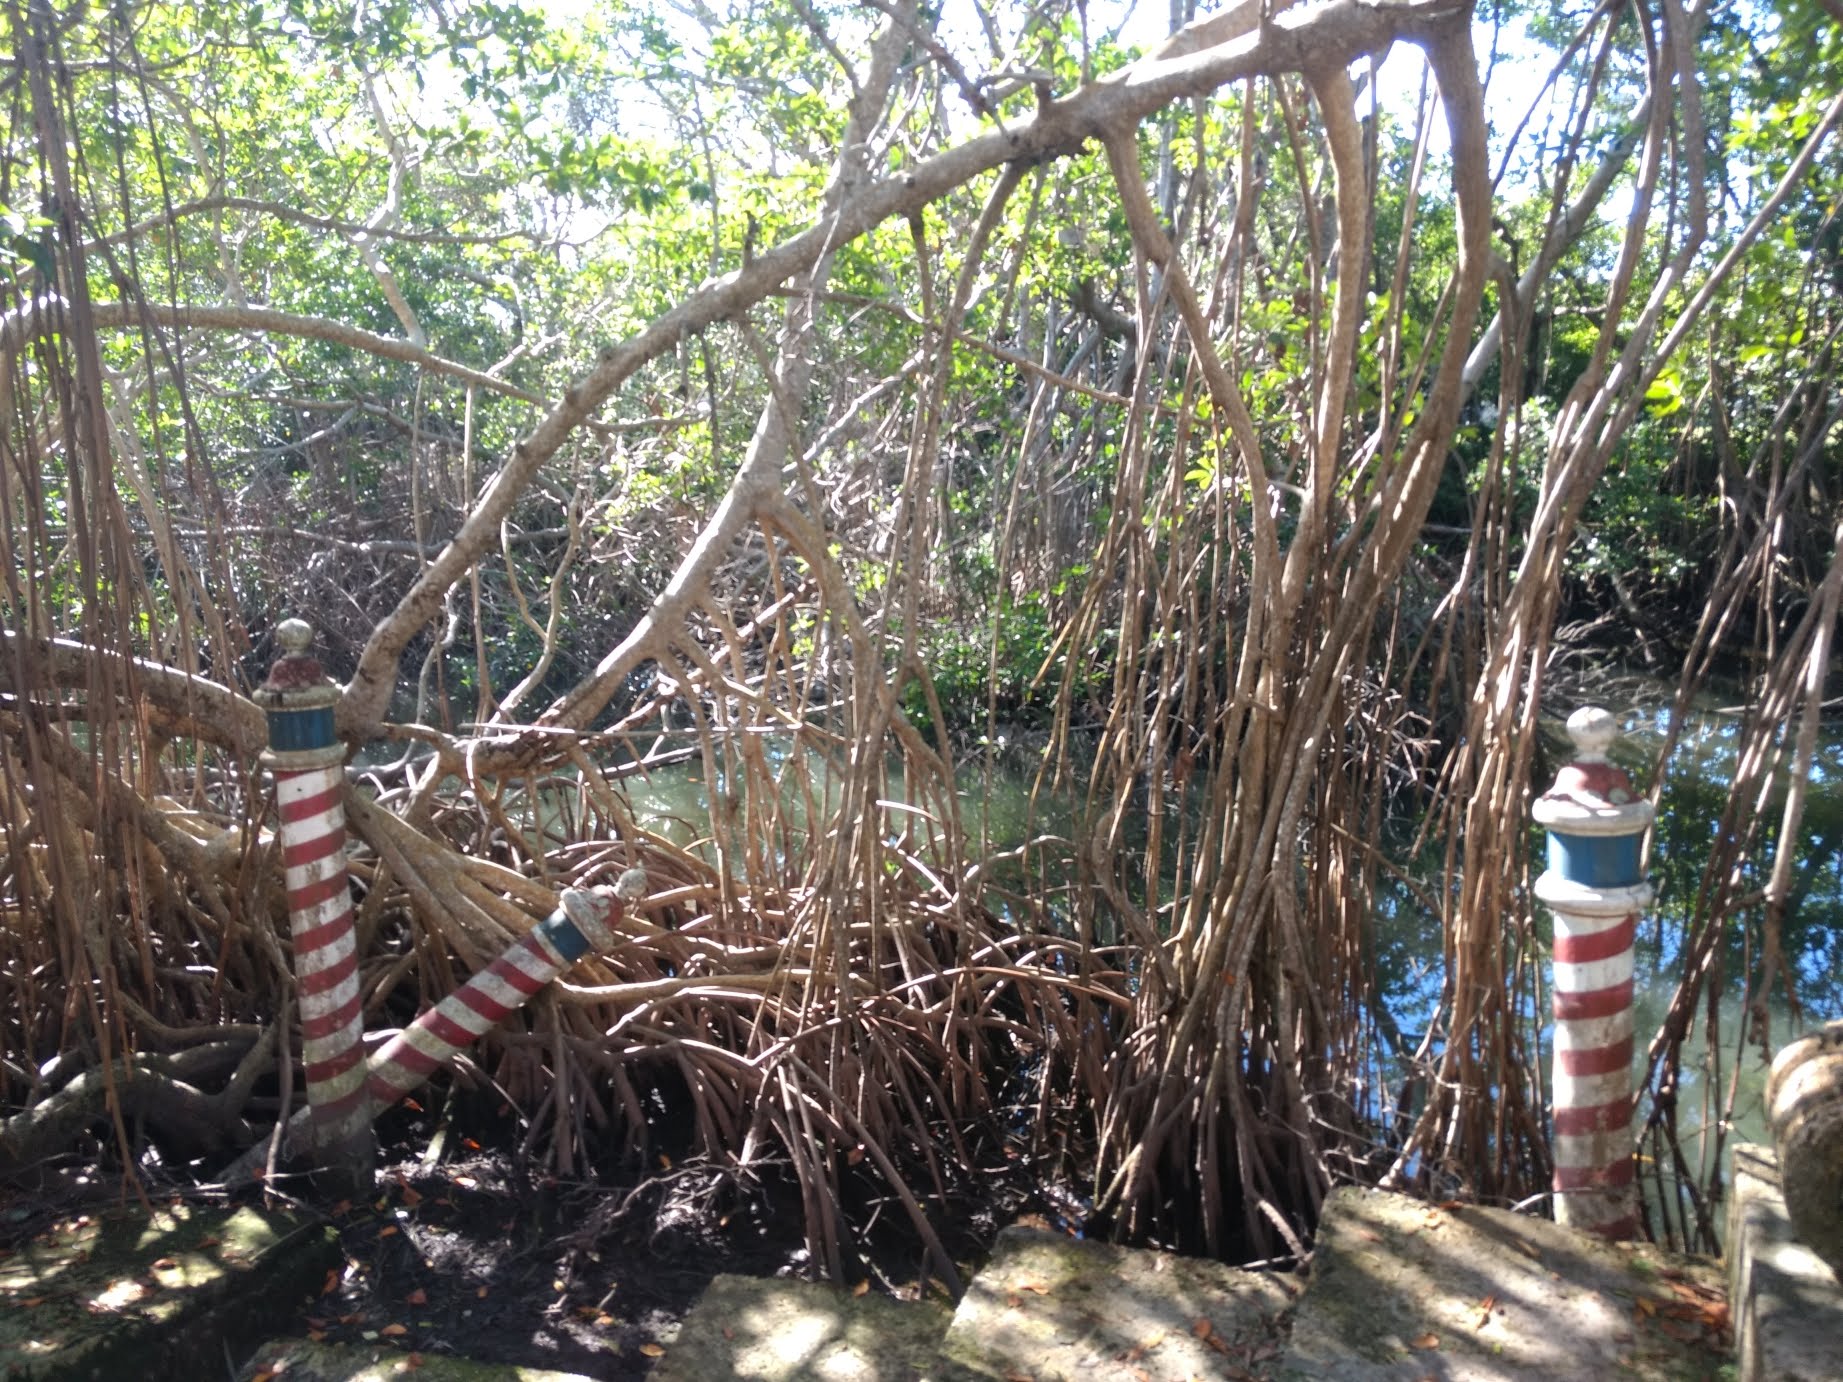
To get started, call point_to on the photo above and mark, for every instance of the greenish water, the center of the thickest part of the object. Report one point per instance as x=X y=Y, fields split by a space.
x=1001 y=809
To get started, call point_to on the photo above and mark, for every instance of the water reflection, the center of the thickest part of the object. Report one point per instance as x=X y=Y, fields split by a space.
x=1003 y=807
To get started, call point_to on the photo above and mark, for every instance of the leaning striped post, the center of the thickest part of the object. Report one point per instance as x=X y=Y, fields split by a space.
x=1595 y=889
x=582 y=924
x=308 y=764
x=584 y=921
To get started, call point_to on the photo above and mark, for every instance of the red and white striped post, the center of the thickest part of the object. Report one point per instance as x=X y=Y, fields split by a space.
x=1594 y=887
x=308 y=764
x=581 y=924
x=583 y=921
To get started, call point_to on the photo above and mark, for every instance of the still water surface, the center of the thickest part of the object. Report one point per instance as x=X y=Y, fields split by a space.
x=1000 y=811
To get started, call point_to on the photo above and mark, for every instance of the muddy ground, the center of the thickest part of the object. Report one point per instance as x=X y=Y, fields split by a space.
x=466 y=1247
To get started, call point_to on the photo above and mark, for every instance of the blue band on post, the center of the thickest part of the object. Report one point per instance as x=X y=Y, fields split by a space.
x=1596 y=861
x=561 y=932
x=291 y=731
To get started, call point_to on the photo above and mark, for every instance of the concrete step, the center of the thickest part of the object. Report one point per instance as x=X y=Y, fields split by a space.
x=1048 y=1307
x=299 y=1360
x=1399 y=1289
x=1788 y=1305
x=1405 y=1290
x=156 y=1297
x=778 y=1330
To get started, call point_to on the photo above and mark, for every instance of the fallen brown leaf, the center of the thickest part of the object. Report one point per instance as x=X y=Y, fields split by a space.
x=1138 y=1351
x=479 y=1293
x=413 y=1362
x=652 y=1350
x=417 y=1297
x=862 y=1288
x=394 y=1331
x=1037 y=1288
x=387 y=1230
x=332 y=1281
x=317 y=1335
x=1425 y=1341
x=1202 y=1328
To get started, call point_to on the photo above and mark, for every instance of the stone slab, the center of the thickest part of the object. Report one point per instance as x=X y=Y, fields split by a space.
x=1402 y=1289
x=775 y=1329
x=1050 y=1308
x=302 y=1360
x=1788 y=1305
x=124 y=1293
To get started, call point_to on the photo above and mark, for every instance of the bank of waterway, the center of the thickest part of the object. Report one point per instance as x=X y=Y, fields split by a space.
x=1003 y=804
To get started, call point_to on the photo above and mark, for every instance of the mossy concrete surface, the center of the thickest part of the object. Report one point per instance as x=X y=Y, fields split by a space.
x=778 y=1330
x=1051 y=1308
x=154 y=1297
x=301 y=1360
x=1788 y=1305
x=1402 y=1289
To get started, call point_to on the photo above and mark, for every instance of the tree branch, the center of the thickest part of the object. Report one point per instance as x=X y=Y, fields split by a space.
x=1335 y=32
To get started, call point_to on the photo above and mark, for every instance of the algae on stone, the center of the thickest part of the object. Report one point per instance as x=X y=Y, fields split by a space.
x=1402 y=1289
x=123 y=1292
x=778 y=1330
x=1050 y=1307
x=302 y=1360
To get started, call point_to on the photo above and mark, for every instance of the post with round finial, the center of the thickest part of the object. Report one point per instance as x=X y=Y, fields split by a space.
x=1594 y=888
x=308 y=764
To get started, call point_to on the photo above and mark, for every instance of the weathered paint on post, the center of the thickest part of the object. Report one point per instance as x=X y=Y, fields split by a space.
x=1595 y=890
x=308 y=764
x=583 y=923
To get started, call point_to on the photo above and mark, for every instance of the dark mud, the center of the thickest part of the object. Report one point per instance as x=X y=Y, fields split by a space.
x=467 y=1248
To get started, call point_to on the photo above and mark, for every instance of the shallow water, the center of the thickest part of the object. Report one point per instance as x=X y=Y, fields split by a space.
x=1721 y=1084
